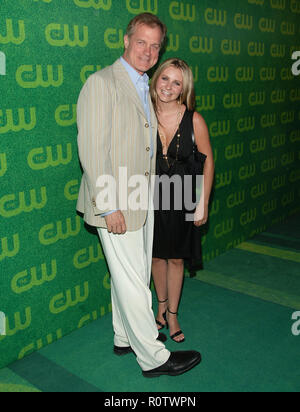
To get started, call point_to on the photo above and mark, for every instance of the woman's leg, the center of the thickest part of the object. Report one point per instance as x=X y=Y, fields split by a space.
x=175 y=280
x=159 y=274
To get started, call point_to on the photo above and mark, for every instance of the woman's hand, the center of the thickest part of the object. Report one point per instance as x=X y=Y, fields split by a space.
x=201 y=215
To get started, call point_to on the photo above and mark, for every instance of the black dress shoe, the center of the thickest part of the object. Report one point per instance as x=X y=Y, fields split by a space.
x=119 y=350
x=178 y=363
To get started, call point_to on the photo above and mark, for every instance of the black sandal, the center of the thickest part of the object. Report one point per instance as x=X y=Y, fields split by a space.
x=176 y=333
x=157 y=321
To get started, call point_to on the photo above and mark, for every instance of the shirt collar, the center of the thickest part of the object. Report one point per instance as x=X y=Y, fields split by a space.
x=134 y=75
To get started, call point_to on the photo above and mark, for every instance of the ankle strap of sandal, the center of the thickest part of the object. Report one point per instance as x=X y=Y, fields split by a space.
x=162 y=301
x=173 y=313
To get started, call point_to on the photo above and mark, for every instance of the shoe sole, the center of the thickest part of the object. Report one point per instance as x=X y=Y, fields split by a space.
x=157 y=374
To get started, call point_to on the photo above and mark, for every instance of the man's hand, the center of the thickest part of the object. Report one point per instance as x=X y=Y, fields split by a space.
x=116 y=223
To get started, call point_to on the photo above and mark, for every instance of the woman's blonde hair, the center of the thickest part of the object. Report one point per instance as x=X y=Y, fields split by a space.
x=188 y=92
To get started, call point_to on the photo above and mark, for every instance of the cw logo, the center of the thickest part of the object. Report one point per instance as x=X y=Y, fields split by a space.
x=287 y=158
x=195 y=71
x=244 y=74
x=287 y=117
x=71 y=298
x=142 y=6
x=39 y=344
x=268 y=120
x=269 y=207
x=65 y=115
x=267 y=73
x=278 y=182
x=58 y=35
x=17 y=324
x=295 y=136
x=216 y=17
x=246 y=124
x=61 y=230
x=233 y=100
x=71 y=190
x=278 y=50
x=287 y=28
x=13 y=205
x=223 y=179
x=248 y=171
x=181 y=11
x=278 y=140
x=2 y=64
x=256 y=49
x=206 y=102
x=218 y=74
x=231 y=47
x=6 y=252
x=259 y=190
x=235 y=199
x=243 y=21
x=294 y=176
x=95 y=4
x=278 y=4
x=220 y=128
x=41 y=158
x=24 y=281
x=215 y=209
x=199 y=44
x=278 y=96
x=268 y=164
x=257 y=98
x=16 y=125
x=286 y=73
x=3 y=164
x=10 y=36
x=258 y=145
x=85 y=257
x=224 y=228
x=172 y=44
x=113 y=38
x=234 y=151
x=248 y=217
x=288 y=198
x=31 y=77
x=295 y=6
x=267 y=25
x=295 y=93
x=86 y=71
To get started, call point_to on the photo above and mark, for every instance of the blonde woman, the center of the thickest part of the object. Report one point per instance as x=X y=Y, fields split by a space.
x=181 y=131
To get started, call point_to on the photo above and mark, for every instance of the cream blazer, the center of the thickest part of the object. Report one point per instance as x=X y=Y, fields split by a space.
x=113 y=133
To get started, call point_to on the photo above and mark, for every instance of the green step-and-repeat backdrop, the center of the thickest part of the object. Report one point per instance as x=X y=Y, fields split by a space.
x=53 y=277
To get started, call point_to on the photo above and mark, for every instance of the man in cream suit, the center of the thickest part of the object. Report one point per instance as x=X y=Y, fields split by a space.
x=117 y=131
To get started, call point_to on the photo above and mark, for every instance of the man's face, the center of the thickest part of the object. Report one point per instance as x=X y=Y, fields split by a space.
x=142 y=48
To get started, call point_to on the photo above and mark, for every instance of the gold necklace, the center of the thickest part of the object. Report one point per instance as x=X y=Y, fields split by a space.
x=163 y=139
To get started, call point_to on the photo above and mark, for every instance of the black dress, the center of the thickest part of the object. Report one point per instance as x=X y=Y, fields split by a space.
x=174 y=236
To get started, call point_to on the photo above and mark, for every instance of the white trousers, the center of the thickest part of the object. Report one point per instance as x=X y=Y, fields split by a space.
x=129 y=258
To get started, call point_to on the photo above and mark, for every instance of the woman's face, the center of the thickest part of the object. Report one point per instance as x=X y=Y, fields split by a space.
x=169 y=85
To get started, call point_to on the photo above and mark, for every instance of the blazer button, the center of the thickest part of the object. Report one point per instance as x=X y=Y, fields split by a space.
x=147 y=174
x=148 y=149
x=94 y=203
x=147 y=125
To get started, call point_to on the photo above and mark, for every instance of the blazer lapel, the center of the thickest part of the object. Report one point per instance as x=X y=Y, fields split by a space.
x=125 y=84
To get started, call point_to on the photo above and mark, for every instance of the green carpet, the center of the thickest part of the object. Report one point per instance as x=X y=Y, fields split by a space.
x=237 y=313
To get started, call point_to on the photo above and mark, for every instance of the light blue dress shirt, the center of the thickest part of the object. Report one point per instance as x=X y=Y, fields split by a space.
x=141 y=83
